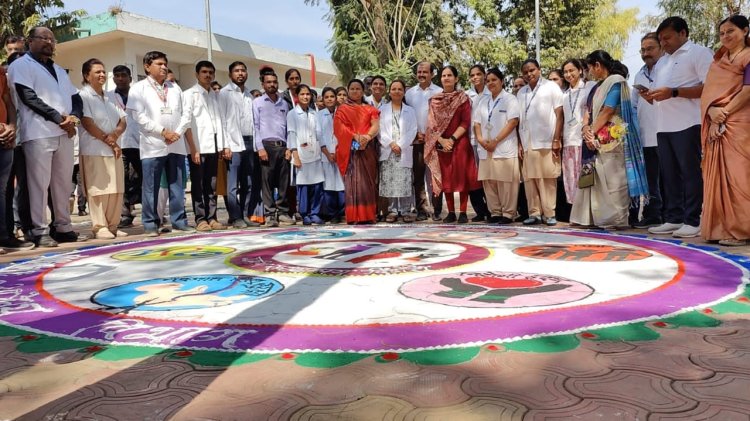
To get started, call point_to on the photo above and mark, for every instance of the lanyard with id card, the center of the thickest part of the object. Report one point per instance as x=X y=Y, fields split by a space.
x=161 y=92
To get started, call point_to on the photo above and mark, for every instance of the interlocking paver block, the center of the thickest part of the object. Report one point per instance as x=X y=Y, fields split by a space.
x=646 y=390
x=729 y=389
x=658 y=358
x=591 y=410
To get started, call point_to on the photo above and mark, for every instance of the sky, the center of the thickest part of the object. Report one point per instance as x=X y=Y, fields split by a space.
x=290 y=25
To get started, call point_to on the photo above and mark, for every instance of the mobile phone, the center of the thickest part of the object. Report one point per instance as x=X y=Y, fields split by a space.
x=640 y=88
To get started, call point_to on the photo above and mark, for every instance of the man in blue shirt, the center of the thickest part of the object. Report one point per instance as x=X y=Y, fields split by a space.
x=269 y=133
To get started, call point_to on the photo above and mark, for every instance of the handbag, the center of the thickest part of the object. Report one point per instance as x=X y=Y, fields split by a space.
x=587 y=177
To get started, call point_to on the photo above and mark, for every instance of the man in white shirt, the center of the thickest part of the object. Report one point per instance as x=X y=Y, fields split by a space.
x=651 y=52
x=49 y=110
x=201 y=104
x=131 y=155
x=243 y=192
x=156 y=105
x=419 y=98
x=476 y=93
x=678 y=85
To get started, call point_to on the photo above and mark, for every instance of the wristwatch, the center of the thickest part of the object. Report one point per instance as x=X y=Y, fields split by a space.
x=453 y=138
x=675 y=92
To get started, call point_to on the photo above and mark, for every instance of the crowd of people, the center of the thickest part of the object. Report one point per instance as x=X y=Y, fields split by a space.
x=581 y=145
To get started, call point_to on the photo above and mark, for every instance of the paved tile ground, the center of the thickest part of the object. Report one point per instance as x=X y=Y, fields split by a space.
x=687 y=374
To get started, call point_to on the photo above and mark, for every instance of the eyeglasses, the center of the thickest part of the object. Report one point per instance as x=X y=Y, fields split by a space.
x=45 y=39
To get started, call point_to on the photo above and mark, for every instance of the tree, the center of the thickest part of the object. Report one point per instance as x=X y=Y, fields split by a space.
x=390 y=36
x=569 y=28
x=702 y=16
x=17 y=17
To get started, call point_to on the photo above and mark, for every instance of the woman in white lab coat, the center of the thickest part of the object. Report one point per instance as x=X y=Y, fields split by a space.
x=302 y=140
x=398 y=129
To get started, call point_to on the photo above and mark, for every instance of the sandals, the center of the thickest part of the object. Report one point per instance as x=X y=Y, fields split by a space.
x=732 y=242
x=391 y=218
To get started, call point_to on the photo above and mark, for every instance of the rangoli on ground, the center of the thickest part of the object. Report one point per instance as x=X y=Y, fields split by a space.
x=352 y=292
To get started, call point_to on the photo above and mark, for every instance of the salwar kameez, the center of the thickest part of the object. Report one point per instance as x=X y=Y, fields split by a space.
x=396 y=185
x=104 y=180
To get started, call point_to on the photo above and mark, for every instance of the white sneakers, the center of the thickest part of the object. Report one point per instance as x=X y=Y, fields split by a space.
x=677 y=230
x=687 y=231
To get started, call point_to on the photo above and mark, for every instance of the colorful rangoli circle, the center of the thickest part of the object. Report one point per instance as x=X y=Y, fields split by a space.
x=370 y=289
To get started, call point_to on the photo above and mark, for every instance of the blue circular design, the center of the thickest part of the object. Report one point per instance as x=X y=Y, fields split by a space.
x=302 y=234
x=186 y=292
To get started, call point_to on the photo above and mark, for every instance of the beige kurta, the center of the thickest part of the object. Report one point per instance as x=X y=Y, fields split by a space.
x=499 y=169
x=102 y=175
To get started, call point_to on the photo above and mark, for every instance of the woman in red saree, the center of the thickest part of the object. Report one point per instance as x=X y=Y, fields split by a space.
x=448 y=152
x=355 y=124
x=726 y=138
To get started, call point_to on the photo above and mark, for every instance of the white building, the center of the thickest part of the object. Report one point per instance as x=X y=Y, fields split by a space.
x=123 y=38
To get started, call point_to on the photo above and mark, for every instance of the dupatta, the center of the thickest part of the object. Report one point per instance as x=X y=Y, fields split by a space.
x=442 y=108
x=350 y=119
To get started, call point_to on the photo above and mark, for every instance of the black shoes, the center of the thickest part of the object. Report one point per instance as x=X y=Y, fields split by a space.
x=45 y=241
x=66 y=237
x=13 y=243
x=451 y=218
x=463 y=218
x=647 y=223
x=504 y=220
x=480 y=218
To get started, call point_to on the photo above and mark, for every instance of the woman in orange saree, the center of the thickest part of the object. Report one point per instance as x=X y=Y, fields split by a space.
x=726 y=138
x=355 y=124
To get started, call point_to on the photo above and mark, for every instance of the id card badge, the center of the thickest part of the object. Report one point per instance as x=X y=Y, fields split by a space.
x=489 y=127
x=572 y=122
x=165 y=111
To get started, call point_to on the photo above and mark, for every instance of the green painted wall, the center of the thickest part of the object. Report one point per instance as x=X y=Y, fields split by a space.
x=93 y=25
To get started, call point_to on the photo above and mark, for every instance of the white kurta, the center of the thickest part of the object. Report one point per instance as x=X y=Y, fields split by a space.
x=574 y=103
x=106 y=115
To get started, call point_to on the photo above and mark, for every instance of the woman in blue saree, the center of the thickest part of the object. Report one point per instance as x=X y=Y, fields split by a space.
x=612 y=176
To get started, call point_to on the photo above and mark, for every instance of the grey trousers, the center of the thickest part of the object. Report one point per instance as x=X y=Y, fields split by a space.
x=52 y=168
